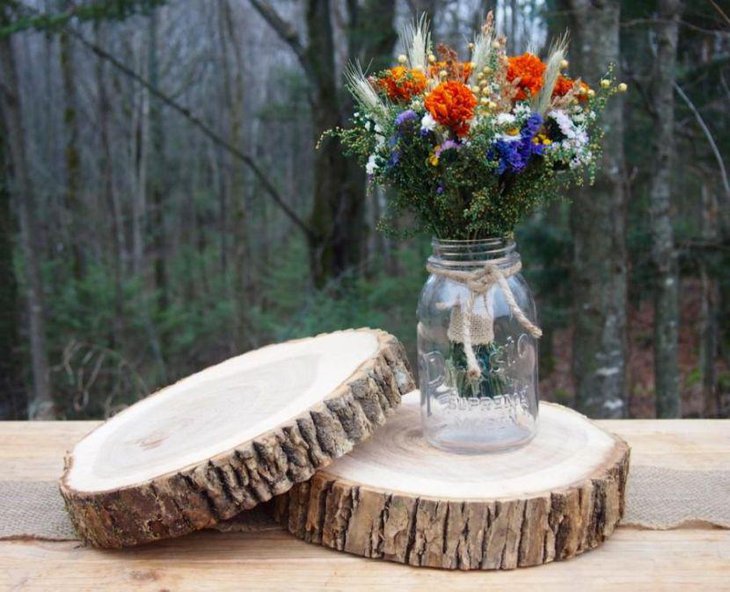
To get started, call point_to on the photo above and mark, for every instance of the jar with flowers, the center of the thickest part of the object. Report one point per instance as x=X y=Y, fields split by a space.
x=469 y=148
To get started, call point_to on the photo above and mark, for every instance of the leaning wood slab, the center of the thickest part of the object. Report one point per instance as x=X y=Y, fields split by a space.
x=399 y=499
x=232 y=436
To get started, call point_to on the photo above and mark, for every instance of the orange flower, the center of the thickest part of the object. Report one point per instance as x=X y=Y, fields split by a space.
x=402 y=84
x=564 y=84
x=529 y=69
x=452 y=104
x=456 y=70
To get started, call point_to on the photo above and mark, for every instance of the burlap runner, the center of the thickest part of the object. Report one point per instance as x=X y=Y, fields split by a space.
x=657 y=498
x=661 y=498
x=35 y=510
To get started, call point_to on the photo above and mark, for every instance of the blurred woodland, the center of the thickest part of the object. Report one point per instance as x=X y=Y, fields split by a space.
x=163 y=206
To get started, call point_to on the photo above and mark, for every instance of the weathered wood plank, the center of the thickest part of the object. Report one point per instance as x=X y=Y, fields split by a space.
x=633 y=560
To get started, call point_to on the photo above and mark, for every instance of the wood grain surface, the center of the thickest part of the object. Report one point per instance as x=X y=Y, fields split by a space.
x=397 y=498
x=231 y=436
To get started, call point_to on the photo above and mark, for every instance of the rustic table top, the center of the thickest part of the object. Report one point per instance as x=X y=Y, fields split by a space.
x=632 y=559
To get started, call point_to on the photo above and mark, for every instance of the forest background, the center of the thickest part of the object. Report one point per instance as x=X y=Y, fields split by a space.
x=163 y=206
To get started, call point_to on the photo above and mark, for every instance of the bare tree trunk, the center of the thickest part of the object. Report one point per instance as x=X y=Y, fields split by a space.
x=371 y=40
x=664 y=255
x=708 y=312
x=244 y=292
x=71 y=154
x=336 y=214
x=109 y=194
x=598 y=217
x=139 y=149
x=41 y=405
x=141 y=166
x=13 y=398
x=336 y=220
x=155 y=188
x=512 y=38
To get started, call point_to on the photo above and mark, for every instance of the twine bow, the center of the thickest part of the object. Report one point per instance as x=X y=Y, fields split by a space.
x=478 y=283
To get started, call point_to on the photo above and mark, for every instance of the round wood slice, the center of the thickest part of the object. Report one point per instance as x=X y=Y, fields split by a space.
x=234 y=435
x=397 y=498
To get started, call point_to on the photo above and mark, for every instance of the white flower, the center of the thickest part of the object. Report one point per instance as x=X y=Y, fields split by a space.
x=379 y=137
x=563 y=121
x=522 y=110
x=371 y=165
x=506 y=119
x=428 y=123
x=509 y=137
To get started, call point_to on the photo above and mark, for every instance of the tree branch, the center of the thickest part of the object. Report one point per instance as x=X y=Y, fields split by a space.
x=722 y=13
x=284 y=30
x=203 y=127
x=708 y=135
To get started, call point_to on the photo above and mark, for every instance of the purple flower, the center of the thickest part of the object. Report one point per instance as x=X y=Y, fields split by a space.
x=511 y=156
x=448 y=145
x=531 y=126
x=394 y=158
x=440 y=189
x=405 y=117
x=514 y=155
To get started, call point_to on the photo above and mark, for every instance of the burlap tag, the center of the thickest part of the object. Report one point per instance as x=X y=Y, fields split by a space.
x=482 y=327
x=657 y=498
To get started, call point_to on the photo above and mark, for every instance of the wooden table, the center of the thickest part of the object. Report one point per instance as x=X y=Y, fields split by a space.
x=631 y=561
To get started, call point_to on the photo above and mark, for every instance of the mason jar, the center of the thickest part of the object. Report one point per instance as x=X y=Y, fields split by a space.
x=477 y=348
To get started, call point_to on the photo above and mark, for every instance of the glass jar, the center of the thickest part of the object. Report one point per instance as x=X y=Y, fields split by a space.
x=487 y=401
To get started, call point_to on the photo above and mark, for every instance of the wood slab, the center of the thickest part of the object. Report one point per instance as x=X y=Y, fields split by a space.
x=232 y=436
x=397 y=498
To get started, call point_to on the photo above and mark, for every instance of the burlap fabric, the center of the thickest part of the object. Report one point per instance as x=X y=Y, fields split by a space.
x=36 y=510
x=657 y=498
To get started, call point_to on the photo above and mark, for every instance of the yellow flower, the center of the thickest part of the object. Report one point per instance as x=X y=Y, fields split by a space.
x=434 y=159
x=605 y=83
x=622 y=87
